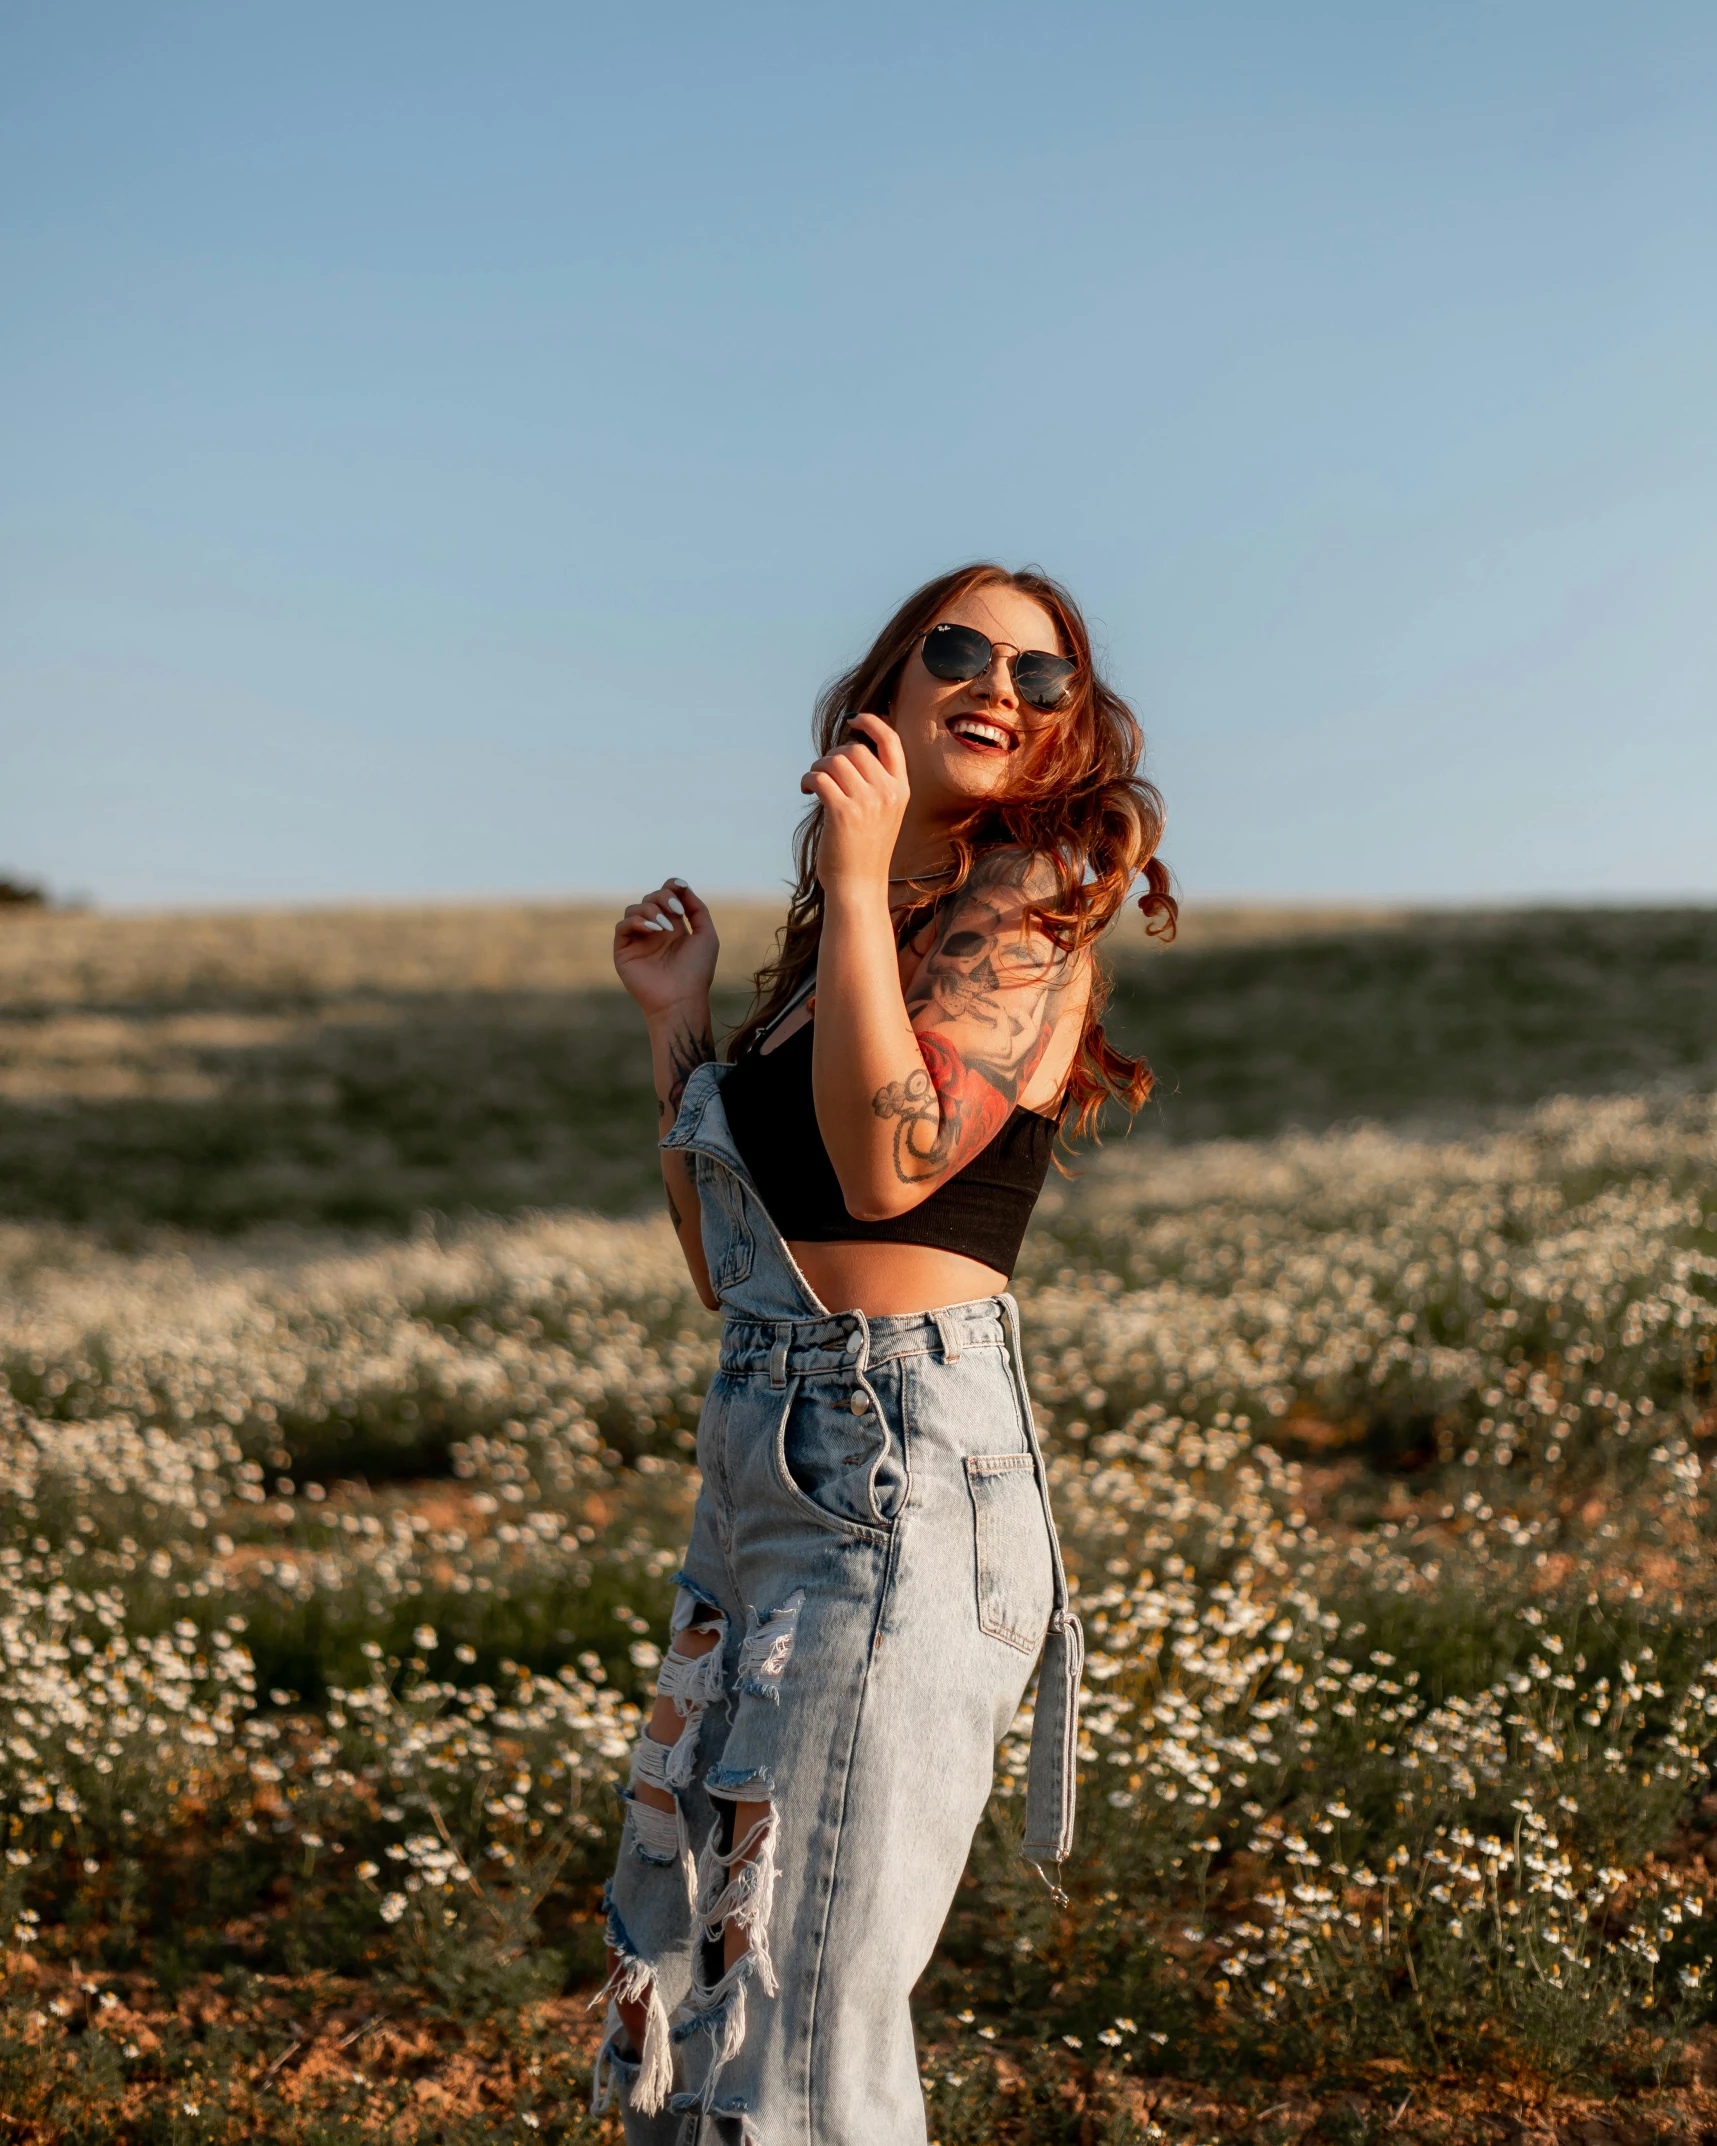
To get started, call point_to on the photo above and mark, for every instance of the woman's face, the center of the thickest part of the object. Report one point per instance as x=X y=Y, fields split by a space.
x=969 y=741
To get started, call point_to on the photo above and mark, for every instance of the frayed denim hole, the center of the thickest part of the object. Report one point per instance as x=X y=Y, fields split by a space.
x=649 y=1839
x=713 y=1950
x=767 y=1648
x=693 y=1682
x=685 y=1584
x=646 y=2076
x=615 y=1933
x=735 y=1891
x=740 y=1784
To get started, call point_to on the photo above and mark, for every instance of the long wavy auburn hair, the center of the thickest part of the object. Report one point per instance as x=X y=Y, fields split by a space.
x=1081 y=803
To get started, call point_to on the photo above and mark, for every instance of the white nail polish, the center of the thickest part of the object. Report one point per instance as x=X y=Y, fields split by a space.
x=676 y=905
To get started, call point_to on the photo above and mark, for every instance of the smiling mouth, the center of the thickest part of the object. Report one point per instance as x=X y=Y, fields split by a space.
x=981 y=735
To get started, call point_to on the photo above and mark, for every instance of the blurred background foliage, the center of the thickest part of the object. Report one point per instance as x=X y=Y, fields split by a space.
x=356 y=1068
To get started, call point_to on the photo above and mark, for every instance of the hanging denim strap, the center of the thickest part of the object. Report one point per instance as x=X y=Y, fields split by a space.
x=1052 y=1776
x=750 y=1267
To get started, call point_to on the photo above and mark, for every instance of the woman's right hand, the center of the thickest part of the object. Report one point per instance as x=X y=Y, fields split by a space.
x=665 y=948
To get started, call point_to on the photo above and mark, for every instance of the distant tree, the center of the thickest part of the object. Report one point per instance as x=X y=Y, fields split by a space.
x=20 y=894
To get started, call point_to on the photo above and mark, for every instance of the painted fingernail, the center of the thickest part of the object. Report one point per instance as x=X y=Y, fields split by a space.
x=680 y=883
x=676 y=905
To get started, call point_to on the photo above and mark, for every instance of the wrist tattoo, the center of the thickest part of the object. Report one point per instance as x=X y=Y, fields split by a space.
x=686 y=1052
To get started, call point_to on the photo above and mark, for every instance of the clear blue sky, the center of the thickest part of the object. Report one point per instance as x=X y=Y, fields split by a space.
x=443 y=448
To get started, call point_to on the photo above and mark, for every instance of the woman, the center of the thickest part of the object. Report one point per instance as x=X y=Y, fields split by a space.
x=873 y=1570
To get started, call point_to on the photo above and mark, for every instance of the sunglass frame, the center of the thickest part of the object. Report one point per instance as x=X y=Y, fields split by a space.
x=1063 y=670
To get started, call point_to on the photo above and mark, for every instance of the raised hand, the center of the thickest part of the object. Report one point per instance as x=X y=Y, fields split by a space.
x=864 y=793
x=664 y=952
x=665 y=948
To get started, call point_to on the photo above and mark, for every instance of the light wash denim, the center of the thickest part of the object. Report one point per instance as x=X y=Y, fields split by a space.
x=873 y=1542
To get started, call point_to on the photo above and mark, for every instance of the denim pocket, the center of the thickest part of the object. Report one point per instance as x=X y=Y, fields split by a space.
x=832 y=1461
x=1016 y=1578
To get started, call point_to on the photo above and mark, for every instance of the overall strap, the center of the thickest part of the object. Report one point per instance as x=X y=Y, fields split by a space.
x=1052 y=1774
x=752 y=1271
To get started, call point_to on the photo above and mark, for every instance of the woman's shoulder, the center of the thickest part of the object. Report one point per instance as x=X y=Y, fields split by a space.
x=1035 y=874
x=1027 y=891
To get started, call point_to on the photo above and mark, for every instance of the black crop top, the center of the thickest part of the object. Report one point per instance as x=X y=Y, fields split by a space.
x=981 y=1212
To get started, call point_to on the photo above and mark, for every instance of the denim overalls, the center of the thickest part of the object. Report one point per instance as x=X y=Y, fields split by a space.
x=874 y=1544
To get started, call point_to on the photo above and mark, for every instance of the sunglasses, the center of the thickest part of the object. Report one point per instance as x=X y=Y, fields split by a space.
x=959 y=653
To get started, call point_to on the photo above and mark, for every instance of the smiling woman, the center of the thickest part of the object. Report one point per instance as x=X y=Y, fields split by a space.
x=873 y=1567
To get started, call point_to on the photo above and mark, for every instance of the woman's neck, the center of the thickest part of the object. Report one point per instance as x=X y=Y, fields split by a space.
x=921 y=850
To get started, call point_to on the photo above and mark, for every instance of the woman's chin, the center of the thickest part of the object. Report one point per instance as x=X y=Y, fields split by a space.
x=970 y=779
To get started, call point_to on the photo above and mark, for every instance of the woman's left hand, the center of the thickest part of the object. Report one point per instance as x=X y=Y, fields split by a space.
x=864 y=796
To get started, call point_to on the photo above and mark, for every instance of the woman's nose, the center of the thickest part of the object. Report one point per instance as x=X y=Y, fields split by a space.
x=997 y=683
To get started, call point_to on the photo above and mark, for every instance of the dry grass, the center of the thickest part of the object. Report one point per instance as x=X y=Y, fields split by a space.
x=355 y=1067
x=83 y=958
x=316 y=2059
x=344 y=1065
x=52 y=958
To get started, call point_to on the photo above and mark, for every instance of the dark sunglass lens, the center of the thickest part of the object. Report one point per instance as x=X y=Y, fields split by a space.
x=1043 y=679
x=956 y=653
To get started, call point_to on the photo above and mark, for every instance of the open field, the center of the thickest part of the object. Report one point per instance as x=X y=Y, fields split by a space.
x=333 y=1560
x=357 y=1068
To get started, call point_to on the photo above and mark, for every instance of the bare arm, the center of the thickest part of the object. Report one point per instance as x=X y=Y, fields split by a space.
x=908 y=1091
x=985 y=1006
x=665 y=950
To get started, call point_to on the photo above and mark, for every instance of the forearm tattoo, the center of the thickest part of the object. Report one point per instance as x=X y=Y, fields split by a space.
x=993 y=989
x=687 y=1049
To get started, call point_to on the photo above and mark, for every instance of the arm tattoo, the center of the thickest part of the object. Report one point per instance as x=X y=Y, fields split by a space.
x=686 y=1052
x=988 y=995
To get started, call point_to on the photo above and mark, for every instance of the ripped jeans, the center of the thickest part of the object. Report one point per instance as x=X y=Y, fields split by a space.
x=874 y=1554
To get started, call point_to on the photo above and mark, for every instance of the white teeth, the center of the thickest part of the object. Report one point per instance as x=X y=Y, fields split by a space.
x=981 y=732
